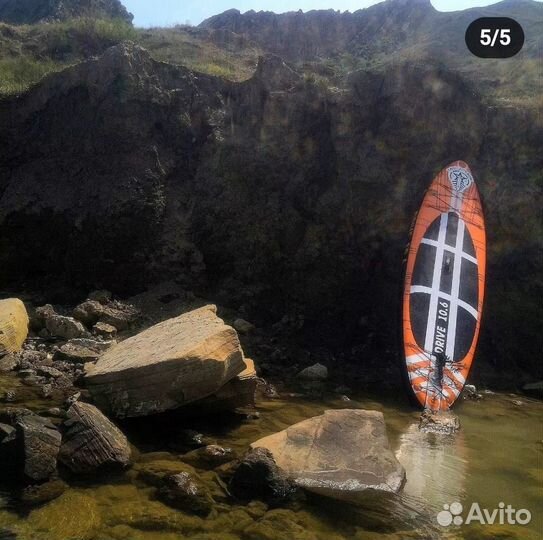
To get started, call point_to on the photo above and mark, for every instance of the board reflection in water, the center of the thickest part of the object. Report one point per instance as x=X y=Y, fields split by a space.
x=435 y=465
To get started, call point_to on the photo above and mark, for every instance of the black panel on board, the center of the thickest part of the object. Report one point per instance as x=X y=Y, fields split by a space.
x=452 y=228
x=423 y=272
x=465 y=330
x=468 y=244
x=432 y=232
x=469 y=283
x=418 y=312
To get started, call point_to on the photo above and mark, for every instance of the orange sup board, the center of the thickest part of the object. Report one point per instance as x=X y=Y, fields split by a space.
x=444 y=288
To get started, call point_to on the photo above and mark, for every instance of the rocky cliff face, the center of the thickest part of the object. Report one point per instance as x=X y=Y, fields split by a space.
x=33 y=11
x=392 y=27
x=275 y=194
x=298 y=35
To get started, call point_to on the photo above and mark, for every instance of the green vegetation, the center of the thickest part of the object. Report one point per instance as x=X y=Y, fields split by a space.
x=18 y=74
x=195 y=49
x=29 y=52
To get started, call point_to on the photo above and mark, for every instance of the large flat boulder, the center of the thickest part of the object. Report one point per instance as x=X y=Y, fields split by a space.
x=171 y=364
x=340 y=454
x=239 y=392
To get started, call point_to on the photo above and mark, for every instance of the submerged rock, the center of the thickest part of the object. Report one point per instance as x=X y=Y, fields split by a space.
x=36 y=495
x=156 y=471
x=13 y=325
x=183 y=492
x=91 y=442
x=72 y=515
x=439 y=422
x=259 y=477
x=173 y=363
x=340 y=454
x=211 y=455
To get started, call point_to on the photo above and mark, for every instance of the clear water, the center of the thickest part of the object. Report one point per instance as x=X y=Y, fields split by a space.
x=496 y=457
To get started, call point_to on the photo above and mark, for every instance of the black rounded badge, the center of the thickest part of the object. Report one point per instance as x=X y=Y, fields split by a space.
x=494 y=37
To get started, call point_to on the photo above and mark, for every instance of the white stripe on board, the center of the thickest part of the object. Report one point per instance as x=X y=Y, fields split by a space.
x=427 y=290
x=455 y=250
x=455 y=291
x=436 y=280
x=416 y=358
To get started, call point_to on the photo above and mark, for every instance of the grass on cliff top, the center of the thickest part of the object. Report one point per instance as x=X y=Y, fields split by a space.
x=29 y=52
x=196 y=50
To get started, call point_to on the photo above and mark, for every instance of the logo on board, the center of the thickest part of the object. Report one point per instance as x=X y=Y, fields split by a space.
x=460 y=178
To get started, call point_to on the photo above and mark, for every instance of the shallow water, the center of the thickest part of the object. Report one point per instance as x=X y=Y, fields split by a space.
x=496 y=457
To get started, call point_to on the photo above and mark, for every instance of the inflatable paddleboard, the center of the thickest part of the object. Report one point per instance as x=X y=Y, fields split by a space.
x=444 y=288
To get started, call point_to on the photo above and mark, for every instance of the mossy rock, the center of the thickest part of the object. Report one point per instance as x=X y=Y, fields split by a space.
x=215 y=536
x=43 y=493
x=497 y=532
x=235 y=521
x=278 y=525
x=111 y=494
x=154 y=472
x=73 y=515
x=257 y=509
x=146 y=515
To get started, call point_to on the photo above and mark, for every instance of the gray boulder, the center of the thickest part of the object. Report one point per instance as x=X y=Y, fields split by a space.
x=243 y=326
x=209 y=456
x=101 y=296
x=65 y=327
x=40 y=443
x=316 y=372
x=340 y=454
x=82 y=350
x=259 y=477
x=91 y=442
x=76 y=354
x=183 y=492
x=119 y=315
x=105 y=330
